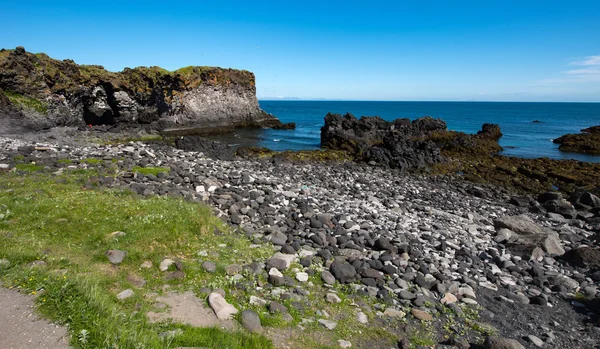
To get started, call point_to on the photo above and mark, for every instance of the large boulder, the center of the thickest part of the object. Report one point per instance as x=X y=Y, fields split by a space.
x=397 y=144
x=529 y=239
x=490 y=131
x=583 y=199
x=343 y=272
x=562 y=207
x=585 y=257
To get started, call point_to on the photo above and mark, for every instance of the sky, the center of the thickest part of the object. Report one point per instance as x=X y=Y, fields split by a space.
x=344 y=50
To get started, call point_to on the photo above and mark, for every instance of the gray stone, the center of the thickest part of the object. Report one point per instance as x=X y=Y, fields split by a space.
x=275 y=307
x=219 y=305
x=344 y=343
x=166 y=264
x=116 y=256
x=281 y=261
x=251 y=321
x=257 y=301
x=362 y=318
x=328 y=324
x=333 y=298
x=209 y=267
x=395 y=313
x=302 y=277
x=529 y=237
x=535 y=340
x=125 y=294
x=327 y=277
x=343 y=272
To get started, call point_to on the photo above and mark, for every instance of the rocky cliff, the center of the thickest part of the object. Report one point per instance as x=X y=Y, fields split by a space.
x=38 y=92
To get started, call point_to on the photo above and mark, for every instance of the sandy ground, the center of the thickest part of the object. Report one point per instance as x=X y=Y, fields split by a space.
x=21 y=327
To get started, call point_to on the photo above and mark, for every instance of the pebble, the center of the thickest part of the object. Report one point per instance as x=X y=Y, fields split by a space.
x=250 y=321
x=395 y=313
x=116 y=256
x=125 y=294
x=535 y=340
x=166 y=264
x=302 y=277
x=421 y=315
x=333 y=298
x=344 y=343
x=362 y=318
x=222 y=309
x=328 y=324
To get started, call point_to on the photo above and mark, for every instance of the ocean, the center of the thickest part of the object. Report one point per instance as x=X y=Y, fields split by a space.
x=522 y=136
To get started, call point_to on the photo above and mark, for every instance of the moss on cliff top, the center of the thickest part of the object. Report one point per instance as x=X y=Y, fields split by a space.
x=35 y=75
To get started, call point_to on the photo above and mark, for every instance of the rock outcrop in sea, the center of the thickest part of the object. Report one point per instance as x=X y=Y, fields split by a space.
x=403 y=143
x=38 y=92
x=587 y=142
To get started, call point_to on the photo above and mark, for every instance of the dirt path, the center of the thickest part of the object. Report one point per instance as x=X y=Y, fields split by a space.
x=21 y=327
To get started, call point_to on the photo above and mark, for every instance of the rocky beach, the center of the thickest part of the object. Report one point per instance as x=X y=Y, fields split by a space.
x=410 y=235
x=424 y=248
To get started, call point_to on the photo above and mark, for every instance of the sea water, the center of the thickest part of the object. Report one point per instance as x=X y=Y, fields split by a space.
x=528 y=128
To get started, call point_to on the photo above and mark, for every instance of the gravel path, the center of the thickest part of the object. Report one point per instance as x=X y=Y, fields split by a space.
x=22 y=327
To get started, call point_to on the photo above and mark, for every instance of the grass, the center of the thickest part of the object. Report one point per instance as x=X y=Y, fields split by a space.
x=151 y=170
x=28 y=167
x=27 y=102
x=58 y=221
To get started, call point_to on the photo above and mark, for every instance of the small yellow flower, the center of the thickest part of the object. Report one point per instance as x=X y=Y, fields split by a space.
x=33 y=293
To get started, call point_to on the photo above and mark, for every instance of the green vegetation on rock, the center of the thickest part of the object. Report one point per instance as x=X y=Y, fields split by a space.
x=38 y=74
x=151 y=170
x=26 y=102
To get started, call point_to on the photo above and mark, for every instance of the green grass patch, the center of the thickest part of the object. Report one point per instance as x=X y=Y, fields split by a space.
x=27 y=102
x=56 y=220
x=87 y=172
x=28 y=167
x=65 y=161
x=151 y=170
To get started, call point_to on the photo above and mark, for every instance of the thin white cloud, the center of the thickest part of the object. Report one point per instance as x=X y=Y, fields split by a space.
x=589 y=72
x=588 y=61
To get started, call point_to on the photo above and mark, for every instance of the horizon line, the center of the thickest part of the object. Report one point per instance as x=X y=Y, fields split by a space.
x=412 y=101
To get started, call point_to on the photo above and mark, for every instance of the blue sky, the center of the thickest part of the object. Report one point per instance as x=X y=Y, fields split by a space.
x=358 y=50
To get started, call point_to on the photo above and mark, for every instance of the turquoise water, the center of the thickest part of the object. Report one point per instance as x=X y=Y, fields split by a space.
x=522 y=137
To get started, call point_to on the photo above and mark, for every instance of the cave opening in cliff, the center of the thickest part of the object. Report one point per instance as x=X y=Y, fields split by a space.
x=94 y=115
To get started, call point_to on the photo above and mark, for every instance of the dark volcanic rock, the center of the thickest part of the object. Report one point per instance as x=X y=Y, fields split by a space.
x=491 y=131
x=402 y=144
x=212 y=149
x=394 y=144
x=585 y=257
x=343 y=272
x=587 y=142
x=584 y=199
